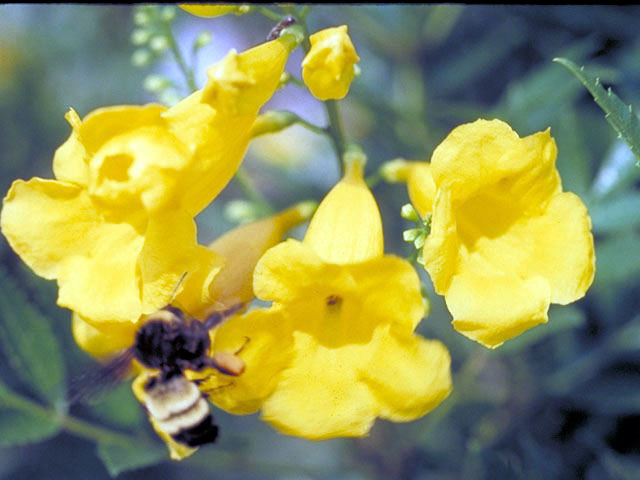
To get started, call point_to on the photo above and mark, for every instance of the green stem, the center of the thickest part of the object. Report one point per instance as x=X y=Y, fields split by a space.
x=296 y=81
x=250 y=190
x=70 y=424
x=373 y=179
x=269 y=14
x=310 y=126
x=335 y=130
x=304 y=11
x=186 y=71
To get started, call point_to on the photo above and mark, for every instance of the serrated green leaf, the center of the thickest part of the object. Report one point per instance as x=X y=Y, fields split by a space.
x=28 y=341
x=616 y=215
x=21 y=422
x=120 y=458
x=619 y=115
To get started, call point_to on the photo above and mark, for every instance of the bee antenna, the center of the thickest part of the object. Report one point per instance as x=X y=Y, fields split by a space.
x=217 y=318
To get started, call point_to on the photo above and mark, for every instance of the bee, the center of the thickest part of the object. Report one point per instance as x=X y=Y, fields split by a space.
x=282 y=24
x=171 y=342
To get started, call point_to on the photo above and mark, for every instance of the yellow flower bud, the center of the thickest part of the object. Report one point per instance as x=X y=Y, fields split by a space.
x=328 y=68
x=213 y=9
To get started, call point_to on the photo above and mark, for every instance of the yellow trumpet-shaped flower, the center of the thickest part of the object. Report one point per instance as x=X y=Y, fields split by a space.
x=116 y=227
x=337 y=348
x=505 y=240
x=328 y=68
x=242 y=248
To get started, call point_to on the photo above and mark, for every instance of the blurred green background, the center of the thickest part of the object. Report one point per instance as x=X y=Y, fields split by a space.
x=560 y=401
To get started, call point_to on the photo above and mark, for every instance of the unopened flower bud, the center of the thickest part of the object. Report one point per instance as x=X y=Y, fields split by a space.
x=328 y=68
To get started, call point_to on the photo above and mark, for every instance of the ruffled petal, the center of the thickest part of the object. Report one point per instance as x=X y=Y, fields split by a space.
x=170 y=250
x=320 y=395
x=409 y=375
x=105 y=341
x=347 y=227
x=266 y=351
x=563 y=252
x=285 y=270
x=441 y=248
x=390 y=288
x=70 y=159
x=488 y=155
x=421 y=187
x=56 y=230
x=245 y=245
x=492 y=308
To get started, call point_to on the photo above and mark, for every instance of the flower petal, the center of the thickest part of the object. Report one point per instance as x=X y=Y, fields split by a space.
x=492 y=308
x=285 y=270
x=347 y=227
x=488 y=154
x=390 y=288
x=409 y=375
x=266 y=351
x=170 y=249
x=441 y=248
x=564 y=251
x=421 y=187
x=70 y=159
x=245 y=245
x=110 y=338
x=94 y=262
x=320 y=395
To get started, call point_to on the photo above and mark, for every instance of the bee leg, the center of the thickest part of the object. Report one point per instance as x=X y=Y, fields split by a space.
x=244 y=344
x=214 y=390
x=217 y=318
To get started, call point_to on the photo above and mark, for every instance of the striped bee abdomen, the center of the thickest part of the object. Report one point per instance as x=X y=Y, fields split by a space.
x=180 y=410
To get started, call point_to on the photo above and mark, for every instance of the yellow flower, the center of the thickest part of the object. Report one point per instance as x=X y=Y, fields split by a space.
x=213 y=9
x=238 y=251
x=505 y=240
x=337 y=348
x=328 y=68
x=116 y=227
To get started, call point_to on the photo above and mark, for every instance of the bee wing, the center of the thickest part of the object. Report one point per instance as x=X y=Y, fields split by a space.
x=89 y=385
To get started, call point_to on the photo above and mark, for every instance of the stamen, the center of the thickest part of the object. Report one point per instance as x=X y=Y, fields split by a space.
x=333 y=300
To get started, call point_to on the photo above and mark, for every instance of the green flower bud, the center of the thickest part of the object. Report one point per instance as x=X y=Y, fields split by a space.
x=140 y=36
x=202 y=40
x=141 y=57
x=159 y=43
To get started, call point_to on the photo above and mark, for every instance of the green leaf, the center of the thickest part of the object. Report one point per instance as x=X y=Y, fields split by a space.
x=29 y=343
x=619 y=115
x=533 y=101
x=483 y=56
x=120 y=407
x=120 y=458
x=23 y=422
x=616 y=215
x=617 y=260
